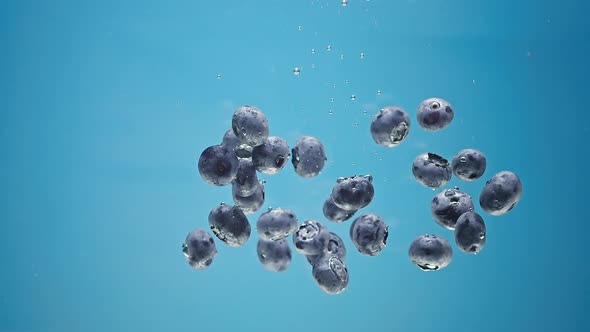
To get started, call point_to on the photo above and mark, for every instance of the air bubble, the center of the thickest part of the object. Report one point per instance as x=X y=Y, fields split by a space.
x=353 y=97
x=296 y=71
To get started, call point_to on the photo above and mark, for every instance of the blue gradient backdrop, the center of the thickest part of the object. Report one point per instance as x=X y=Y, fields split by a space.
x=106 y=105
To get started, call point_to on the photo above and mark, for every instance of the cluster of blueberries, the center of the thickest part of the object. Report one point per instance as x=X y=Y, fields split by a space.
x=247 y=148
x=453 y=209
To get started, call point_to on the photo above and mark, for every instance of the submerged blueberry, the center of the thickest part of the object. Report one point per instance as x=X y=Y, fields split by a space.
x=448 y=205
x=199 y=249
x=390 y=126
x=431 y=170
x=501 y=193
x=335 y=248
x=309 y=156
x=276 y=224
x=218 y=165
x=353 y=193
x=275 y=256
x=469 y=164
x=369 y=234
x=311 y=238
x=430 y=252
x=251 y=203
x=270 y=157
x=470 y=233
x=331 y=274
x=230 y=225
x=435 y=114
x=333 y=213
x=249 y=125
x=246 y=182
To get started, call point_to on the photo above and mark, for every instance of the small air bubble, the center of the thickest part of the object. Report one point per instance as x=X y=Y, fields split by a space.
x=313 y=51
x=378 y=92
x=296 y=71
x=362 y=55
x=218 y=76
x=331 y=100
x=353 y=97
x=341 y=56
x=329 y=48
x=299 y=28
x=346 y=81
x=344 y=3
x=330 y=112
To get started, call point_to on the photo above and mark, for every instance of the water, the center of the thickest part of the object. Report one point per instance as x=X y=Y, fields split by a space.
x=106 y=107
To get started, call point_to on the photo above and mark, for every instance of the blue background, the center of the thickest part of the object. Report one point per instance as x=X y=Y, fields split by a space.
x=106 y=106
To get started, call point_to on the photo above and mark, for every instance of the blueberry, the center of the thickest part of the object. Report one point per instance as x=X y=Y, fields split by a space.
x=430 y=252
x=435 y=114
x=335 y=248
x=275 y=256
x=309 y=156
x=390 y=126
x=246 y=181
x=501 y=193
x=470 y=233
x=229 y=224
x=354 y=192
x=448 y=205
x=311 y=238
x=249 y=125
x=276 y=224
x=431 y=170
x=333 y=213
x=251 y=203
x=469 y=164
x=331 y=274
x=230 y=140
x=369 y=234
x=270 y=157
x=218 y=165
x=199 y=249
